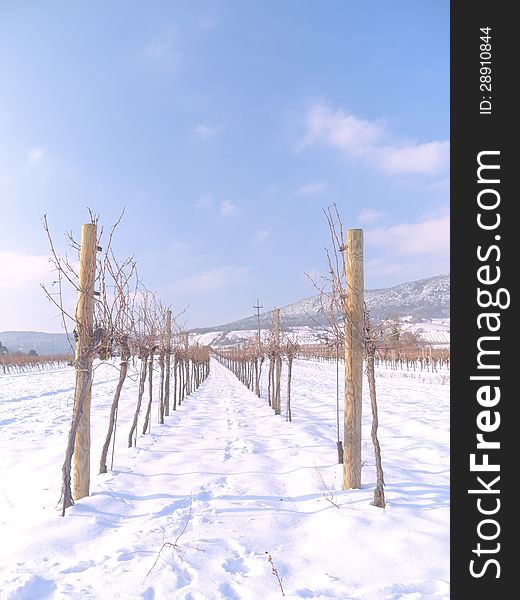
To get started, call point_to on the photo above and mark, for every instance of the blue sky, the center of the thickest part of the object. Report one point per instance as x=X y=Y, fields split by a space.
x=224 y=128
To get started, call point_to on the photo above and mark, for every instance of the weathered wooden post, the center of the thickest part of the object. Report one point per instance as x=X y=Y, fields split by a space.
x=277 y=363
x=187 y=364
x=339 y=443
x=168 y=340
x=354 y=350
x=258 y=348
x=84 y=324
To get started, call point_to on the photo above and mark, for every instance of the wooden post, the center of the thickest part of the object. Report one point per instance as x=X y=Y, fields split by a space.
x=258 y=307
x=168 y=360
x=354 y=349
x=258 y=349
x=277 y=363
x=84 y=324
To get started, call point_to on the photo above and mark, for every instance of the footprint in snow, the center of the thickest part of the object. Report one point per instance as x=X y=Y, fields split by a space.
x=28 y=587
x=228 y=592
x=80 y=567
x=235 y=565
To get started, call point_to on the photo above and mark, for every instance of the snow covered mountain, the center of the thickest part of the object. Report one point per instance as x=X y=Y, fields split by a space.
x=42 y=343
x=422 y=299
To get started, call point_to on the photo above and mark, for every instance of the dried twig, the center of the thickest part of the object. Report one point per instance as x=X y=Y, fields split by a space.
x=328 y=494
x=174 y=545
x=274 y=571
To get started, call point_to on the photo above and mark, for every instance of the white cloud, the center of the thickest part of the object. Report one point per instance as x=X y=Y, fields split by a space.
x=341 y=130
x=206 y=131
x=226 y=209
x=378 y=268
x=179 y=246
x=372 y=141
x=430 y=236
x=369 y=214
x=262 y=235
x=214 y=278
x=164 y=50
x=38 y=166
x=408 y=251
x=24 y=304
x=429 y=158
x=208 y=22
x=24 y=168
x=36 y=154
x=18 y=269
x=204 y=202
x=442 y=185
x=313 y=187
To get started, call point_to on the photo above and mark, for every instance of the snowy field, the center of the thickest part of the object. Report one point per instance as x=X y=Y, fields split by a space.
x=430 y=331
x=227 y=483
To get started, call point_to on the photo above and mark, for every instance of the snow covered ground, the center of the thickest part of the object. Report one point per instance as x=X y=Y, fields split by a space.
x=228 y=483
x=224 y=339
x=430 y=331
x=433 y=331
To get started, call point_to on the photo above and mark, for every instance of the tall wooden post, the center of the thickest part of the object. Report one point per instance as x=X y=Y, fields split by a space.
x=277 y=363
x=258 y=307
x=258 y=349
x=354 y=349
x=168 y=340
x=84 y=323
x=186 y=374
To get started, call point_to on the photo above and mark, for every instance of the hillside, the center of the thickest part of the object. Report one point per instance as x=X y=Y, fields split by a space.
x=42 y=343
x=422 y=299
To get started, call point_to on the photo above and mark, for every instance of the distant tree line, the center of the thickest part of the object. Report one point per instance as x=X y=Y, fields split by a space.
x=5 y=350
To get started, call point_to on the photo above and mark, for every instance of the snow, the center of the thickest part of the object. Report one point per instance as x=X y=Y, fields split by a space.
x=421 y=299
x=434 y=331
x=226 y=483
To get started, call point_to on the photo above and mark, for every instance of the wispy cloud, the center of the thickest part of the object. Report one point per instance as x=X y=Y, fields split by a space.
x=429 y=158
x=24 y=305
x=204 y=202
x=262 y=235
x=227 y=209
x=427 y=237
x=17 y=269
x=368 y=215
x=164 y=49
x=180 y=246
x=22 y=168
x=372 y=141
x=215 y=278
x=409 y=250
x=206 y=131
x=208 y=22
x=382 y=267
x=39 y=165
x=36 y=154
x=442 y=185
x=311 y=188
x=340 y=130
